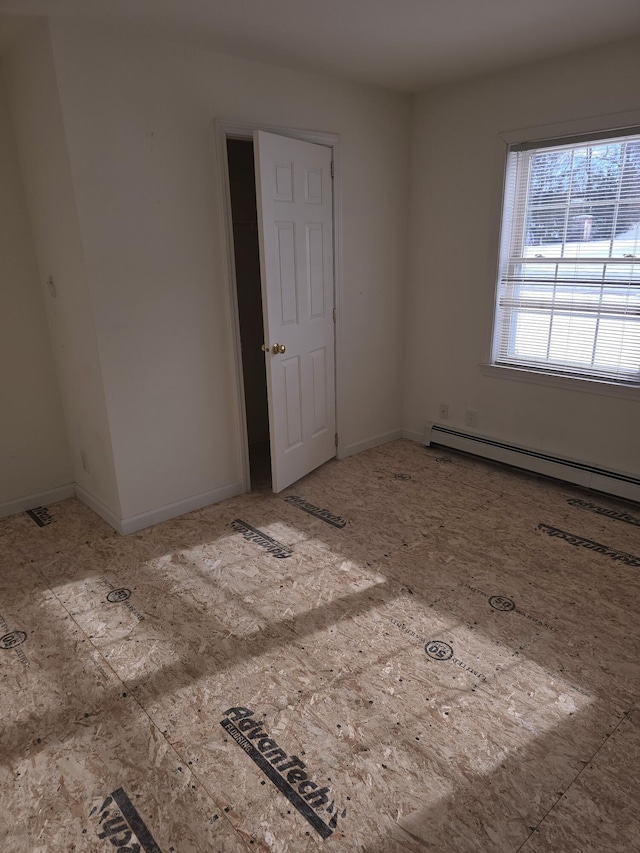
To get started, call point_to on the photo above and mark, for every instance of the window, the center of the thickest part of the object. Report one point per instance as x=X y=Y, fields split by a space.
x=568 y=294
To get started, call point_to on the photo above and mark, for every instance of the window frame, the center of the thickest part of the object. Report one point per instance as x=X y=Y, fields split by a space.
x=545 y=135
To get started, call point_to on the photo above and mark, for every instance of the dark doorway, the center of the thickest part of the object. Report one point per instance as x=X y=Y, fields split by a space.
x=242 y=182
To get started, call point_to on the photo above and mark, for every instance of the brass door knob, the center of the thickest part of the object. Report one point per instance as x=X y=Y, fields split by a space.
x=278 y=348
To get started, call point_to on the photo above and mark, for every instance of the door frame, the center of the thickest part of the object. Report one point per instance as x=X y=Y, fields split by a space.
x=227 y=129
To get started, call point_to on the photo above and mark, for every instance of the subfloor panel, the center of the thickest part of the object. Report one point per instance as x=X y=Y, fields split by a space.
x=408 y=650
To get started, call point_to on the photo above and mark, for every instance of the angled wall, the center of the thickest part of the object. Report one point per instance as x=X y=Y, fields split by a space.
x=42 y=149
x=34 y=454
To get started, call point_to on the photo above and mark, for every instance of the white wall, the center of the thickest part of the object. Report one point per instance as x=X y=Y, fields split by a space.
x=139 y=122
x=452 y=257
x=42 y=149
x=34 y=456
x=116 y=143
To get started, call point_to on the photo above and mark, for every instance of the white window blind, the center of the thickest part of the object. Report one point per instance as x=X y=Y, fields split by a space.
x=568 y=294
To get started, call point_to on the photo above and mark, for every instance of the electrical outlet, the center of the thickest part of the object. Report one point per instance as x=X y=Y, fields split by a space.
x=444 y=411
x=85 y=460
x=471 y=418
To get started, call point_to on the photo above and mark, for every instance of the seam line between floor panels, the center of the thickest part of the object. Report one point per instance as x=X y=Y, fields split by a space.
x=624 y=717
x=170 y=746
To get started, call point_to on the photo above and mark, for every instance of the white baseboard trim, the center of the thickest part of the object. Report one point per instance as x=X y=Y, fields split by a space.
x=163 y=513
x=99 y=508
x=350 y=449
x=51 y=496
x=413 y=435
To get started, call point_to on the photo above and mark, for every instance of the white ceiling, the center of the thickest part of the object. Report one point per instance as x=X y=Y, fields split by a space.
x=400 y=44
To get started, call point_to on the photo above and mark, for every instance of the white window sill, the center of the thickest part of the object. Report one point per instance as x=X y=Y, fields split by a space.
x=571 y=383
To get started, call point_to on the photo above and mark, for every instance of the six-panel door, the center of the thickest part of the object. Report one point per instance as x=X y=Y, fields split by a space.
x=295 y=222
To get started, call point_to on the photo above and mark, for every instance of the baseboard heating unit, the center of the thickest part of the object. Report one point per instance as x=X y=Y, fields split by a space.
x=572 y=471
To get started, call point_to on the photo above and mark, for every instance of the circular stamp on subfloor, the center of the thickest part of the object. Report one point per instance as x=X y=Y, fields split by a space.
x=499 y=602
x=438 y=650
x=402 y=476
x=12 y=639
x=118 y=595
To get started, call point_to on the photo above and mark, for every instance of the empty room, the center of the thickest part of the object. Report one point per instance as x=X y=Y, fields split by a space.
x=319 y=426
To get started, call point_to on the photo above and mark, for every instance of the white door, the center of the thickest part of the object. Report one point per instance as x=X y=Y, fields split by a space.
x=295 y=225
